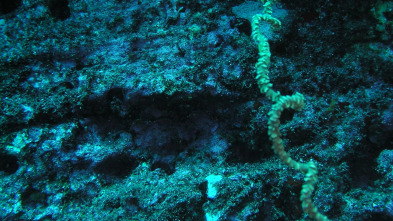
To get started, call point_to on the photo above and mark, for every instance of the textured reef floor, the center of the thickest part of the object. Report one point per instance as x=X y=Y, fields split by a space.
x=149 y=110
